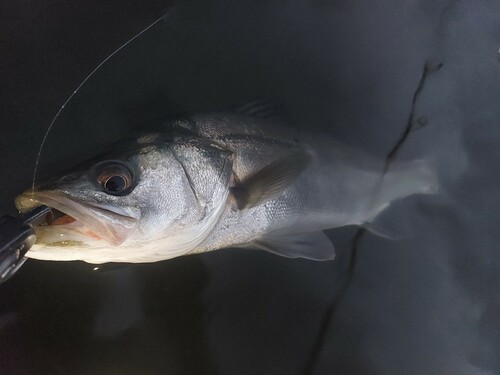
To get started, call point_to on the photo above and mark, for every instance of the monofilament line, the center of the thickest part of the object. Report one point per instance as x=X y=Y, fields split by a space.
x=76 y=90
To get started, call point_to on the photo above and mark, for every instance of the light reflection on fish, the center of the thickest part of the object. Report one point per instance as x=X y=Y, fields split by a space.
x=217 y=180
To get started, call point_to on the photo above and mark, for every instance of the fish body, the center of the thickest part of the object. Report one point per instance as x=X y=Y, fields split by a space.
x=217 y=180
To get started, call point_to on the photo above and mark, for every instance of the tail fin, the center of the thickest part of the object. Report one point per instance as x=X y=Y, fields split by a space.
x=408 y=178
x=401 y=180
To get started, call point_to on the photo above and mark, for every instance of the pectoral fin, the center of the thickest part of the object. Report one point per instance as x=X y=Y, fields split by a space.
x=270 y=181
x=314 y=245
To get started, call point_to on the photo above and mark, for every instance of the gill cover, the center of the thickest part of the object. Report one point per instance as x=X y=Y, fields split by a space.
x=208 y=168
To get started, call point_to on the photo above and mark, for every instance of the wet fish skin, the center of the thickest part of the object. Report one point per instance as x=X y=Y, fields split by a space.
x=187 y=189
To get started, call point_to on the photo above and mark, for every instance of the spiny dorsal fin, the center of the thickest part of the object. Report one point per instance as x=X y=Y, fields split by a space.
x=263 y=108
x=271 y=180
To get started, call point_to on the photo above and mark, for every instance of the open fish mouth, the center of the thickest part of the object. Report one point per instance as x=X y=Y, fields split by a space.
x=77 y=223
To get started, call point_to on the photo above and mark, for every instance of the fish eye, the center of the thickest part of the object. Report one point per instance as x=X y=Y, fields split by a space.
x=115 y=179
x=115 y=184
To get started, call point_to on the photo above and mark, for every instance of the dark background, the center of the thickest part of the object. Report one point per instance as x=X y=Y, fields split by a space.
x=426 y=304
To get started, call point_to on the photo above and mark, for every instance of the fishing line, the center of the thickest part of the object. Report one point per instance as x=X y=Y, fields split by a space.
x=35 y=171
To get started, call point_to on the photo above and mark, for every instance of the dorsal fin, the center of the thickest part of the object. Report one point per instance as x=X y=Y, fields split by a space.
x=263 y=108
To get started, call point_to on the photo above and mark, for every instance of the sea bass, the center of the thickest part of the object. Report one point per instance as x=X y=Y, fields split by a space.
x=216 y=180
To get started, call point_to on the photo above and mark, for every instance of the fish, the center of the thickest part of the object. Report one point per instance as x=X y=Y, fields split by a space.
x=215 y=180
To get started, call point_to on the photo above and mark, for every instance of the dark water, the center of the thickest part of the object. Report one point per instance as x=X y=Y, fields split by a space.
x=425 y=304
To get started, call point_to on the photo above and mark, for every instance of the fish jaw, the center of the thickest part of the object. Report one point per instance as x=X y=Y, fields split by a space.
x=92 y=222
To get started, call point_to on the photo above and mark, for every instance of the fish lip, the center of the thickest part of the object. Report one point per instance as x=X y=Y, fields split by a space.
x=112 y=224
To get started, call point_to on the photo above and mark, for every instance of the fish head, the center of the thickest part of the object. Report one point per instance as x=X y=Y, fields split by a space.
x=146 y=202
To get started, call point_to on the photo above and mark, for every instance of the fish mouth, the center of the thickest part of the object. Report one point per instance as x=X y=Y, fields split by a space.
x=76 y=222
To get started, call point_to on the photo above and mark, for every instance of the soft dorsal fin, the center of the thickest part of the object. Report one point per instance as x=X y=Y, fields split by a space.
x=312 y=245
x=270 y=181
